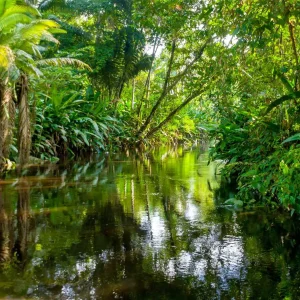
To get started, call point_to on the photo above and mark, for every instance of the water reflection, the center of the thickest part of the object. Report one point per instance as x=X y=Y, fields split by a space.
x=139 y=227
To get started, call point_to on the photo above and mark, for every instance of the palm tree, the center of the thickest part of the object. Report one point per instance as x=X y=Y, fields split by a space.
x=21 y=32
x=10 y=16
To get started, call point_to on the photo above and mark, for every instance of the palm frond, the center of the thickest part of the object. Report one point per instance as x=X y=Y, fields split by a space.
x=71 y=29
x=22 y=54
x=5 y=4
x=6 y=56
x=58 y=62
x=49 y=38
x=36 y=49
x=25 y=62
x=57 y=30
x=35 y=30
x=8 y=23
x=28 y=68
x=33 y=33
x=21 y=9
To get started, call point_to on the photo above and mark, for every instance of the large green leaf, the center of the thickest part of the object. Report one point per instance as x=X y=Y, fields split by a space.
x=295 y=137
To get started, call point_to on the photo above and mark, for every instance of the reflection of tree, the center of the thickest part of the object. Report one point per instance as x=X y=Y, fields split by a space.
x=5 y=229
x=23 y=219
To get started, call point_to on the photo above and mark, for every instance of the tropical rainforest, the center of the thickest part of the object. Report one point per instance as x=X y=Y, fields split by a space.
x=85 y=76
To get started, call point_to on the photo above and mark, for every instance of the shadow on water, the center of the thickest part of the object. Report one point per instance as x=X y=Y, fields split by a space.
x=145 y=226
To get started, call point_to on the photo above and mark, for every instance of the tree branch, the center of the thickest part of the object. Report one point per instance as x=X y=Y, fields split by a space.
x=167 y=88
x=164 y=91
x=174 y=112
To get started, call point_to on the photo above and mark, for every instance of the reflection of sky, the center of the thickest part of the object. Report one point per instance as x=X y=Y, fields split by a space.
x=157 y=232
x=208 y=253
x=225 y=258
x=68 y=292
x=88 y=265
x=192 y=213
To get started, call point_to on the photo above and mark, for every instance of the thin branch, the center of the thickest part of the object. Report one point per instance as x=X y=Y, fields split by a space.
x=174 y=112
x=167 y=88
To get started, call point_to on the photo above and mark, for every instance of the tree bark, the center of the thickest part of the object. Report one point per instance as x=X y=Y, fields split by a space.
x=6 y=121
x=24 y=136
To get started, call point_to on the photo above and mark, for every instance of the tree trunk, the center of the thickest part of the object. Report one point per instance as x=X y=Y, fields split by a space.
x=170 y=86
x=24 y=137
x=6 y=121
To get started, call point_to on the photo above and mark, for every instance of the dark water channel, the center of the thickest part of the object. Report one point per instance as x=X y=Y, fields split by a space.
x=139 y=227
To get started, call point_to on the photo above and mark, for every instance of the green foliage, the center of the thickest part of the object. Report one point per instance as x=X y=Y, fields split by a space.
x=259 y=158
x=258 y=133
x=71 y=122
x=165 y=72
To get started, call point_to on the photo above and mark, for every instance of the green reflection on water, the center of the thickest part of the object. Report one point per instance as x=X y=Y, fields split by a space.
x=146 y=226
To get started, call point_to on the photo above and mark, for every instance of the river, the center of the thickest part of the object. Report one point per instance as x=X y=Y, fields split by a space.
x=140 y=226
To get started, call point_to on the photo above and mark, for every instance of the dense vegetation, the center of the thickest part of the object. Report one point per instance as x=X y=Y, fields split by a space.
x=93 y=75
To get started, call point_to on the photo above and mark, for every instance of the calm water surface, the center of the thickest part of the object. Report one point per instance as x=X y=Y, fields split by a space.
x=149 y=226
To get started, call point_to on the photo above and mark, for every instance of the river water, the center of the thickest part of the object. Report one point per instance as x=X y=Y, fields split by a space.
x=142 y=226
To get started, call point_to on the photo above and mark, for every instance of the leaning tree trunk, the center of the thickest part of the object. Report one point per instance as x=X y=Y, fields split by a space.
x=173 y=113
x=24 y=136
x=7 y=114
